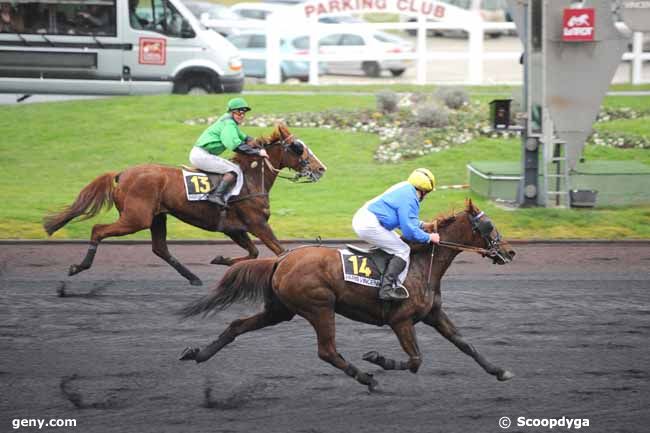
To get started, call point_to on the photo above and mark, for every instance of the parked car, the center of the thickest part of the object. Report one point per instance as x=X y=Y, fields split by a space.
x=213 y=11
x=254 y=41
x=361 y=43
x=259 y=11
x=490 y=10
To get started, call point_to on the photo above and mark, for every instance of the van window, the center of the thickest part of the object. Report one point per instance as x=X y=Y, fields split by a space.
x=159 y=16
x=58 y=17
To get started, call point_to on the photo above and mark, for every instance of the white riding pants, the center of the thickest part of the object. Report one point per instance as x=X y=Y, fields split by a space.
x=204 y=160
x=367 y=227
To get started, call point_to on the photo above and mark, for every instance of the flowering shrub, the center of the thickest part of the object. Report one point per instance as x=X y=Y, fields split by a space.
x=454 y=98
x=387 y=102
x=418 y=127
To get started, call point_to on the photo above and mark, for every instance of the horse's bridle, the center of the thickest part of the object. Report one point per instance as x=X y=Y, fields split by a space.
x=297 y=146
x=482 y=224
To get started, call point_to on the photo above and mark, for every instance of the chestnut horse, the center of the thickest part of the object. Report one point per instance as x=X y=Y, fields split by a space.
x=145 y=194
x=308 y=281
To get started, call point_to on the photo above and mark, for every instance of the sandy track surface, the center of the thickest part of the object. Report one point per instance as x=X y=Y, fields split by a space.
x=570 y=320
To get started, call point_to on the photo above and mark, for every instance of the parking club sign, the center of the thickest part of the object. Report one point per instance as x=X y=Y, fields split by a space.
x=578 y=25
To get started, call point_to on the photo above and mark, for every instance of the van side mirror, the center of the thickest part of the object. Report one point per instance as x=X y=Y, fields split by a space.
x=187 y=32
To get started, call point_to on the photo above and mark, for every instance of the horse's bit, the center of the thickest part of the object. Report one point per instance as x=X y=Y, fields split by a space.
x=296 y=146
x=482 y=224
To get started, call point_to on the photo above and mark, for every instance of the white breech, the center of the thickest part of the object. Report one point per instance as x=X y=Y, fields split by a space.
x=204 y=160
x=367 y=227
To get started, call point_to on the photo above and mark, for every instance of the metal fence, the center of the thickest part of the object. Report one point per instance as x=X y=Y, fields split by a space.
x=475 y=55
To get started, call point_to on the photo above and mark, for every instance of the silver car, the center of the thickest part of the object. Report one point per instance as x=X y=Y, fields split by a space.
x=214 y=11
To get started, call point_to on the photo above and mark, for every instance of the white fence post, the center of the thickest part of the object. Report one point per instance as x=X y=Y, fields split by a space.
x=637 y=61
x=422 y=50
x=273 y=71
x=476 y=46
x=313 y=50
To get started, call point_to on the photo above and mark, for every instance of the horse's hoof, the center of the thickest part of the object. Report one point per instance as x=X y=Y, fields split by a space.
x=221 y=260
x=504 y=375
x=196 y=282
x=371 y=356
x=189 y=354
x=74 y=269
x=373 y=386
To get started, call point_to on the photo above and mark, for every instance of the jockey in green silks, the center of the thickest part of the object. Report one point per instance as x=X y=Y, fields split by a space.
x=222 y=135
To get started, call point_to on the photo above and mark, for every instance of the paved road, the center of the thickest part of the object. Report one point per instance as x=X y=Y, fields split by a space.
x=571 y=321
x=495 y=71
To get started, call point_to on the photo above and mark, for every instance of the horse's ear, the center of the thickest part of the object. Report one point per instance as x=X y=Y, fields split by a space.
x=282 y=129
x=469 y=205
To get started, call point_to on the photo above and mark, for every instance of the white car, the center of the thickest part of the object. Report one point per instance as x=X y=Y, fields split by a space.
x=259 y=11
x=361 y=43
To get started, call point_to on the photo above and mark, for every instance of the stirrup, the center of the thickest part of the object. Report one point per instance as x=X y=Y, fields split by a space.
x=217 y=199
x=395 y=293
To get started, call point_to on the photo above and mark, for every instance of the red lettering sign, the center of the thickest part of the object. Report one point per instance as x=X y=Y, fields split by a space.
x=153 y=51
x=578 y=25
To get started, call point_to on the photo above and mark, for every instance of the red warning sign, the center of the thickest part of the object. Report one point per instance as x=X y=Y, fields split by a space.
x=153 y=51
x=578 y=25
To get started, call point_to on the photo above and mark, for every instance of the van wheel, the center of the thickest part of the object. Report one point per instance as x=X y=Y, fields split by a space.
x=195 y=84
x=397 y=72
x=371 y=69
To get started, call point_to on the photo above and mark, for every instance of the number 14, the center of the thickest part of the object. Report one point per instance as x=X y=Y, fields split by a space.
x=363 y=269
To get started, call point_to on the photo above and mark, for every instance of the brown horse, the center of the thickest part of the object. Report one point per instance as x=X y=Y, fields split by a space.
x=145 y=194
x=308 y=281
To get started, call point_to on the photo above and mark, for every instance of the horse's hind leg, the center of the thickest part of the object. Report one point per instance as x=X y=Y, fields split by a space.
x=274 y=313
x=123 y=226
x=243 y=240
x=405 y=332
x=159 y=248
x=323 y=322
x=439 y=320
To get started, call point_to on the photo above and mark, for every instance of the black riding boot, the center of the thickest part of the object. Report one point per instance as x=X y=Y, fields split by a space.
x=216 y=196
x=390 y=290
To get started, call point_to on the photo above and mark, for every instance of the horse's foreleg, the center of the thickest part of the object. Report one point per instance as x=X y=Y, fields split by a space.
x=243 y=240
x=120 y=227
x=439 y=320
x=272 y=315
x=263 y=231
x=323 y=322
x=159 y=247
x=405 y=332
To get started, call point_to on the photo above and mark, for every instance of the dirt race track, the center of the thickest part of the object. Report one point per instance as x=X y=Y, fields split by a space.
x=570 y=320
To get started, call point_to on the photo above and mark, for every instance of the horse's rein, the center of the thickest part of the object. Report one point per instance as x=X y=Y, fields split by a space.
x=462 y=247
x=452 y=245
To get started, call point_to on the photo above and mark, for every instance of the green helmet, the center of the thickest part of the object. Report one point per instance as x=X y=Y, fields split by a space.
x=238 y=104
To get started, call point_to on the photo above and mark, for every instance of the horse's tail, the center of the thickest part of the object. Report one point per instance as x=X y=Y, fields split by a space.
x=95 y=196
x=247 y=281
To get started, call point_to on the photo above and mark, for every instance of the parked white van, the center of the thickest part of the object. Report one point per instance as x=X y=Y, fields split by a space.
x=112 y=47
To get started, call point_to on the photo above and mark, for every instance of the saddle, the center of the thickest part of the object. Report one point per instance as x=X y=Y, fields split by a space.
x=377 y=256
x=365 y=267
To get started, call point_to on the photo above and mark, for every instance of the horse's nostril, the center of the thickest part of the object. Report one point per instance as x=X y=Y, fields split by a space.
x=321 y=169
x=511 y=253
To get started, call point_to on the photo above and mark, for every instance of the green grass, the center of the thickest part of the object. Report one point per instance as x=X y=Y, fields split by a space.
x=50 y=151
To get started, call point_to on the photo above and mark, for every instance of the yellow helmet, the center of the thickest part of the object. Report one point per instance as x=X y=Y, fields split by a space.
x=422 y=179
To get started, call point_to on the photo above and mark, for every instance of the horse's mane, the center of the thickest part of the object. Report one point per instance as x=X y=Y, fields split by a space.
x=446 y=219
x=264 y=140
